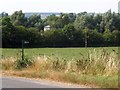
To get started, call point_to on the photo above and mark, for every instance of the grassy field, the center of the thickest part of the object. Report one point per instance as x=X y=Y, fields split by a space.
x=66 y=53
x=91 y=66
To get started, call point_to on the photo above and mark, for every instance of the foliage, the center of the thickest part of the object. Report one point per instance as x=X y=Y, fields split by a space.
x=67 y=30
x=23 y=63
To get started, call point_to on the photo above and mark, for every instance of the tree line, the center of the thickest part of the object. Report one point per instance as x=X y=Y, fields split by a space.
x=67 y=30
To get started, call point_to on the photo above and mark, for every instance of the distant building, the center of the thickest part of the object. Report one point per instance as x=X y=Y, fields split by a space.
x=42 y=14
x=47 y=28
x=119 y=7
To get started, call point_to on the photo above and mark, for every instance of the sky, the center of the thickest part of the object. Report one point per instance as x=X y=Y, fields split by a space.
x=65 y=6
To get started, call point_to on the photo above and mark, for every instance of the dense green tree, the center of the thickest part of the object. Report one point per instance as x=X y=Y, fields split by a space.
x=97 y=22
x=71 y=17
x=84 y=21
x=67 y=30
x=34 y=37
x=52 y=20
x=59 y=22
x=108 y=37
x=3 y=14
x=7 y=30
x=116 y=37
x=33 y=20
x=18 y=18
x=78 y=38
x=95 y=38
x=64 y=19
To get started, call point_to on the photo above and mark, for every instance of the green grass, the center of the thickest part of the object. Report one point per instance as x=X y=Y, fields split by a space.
x=66 y=53
x=103 y=81
x=100 y=68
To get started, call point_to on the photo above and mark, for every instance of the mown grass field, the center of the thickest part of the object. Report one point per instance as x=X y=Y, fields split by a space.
x=66 y=53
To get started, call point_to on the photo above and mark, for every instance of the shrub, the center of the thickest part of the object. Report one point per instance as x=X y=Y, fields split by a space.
x=24 y=63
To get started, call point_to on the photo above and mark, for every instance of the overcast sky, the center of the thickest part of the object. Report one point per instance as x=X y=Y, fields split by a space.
x=66 y=6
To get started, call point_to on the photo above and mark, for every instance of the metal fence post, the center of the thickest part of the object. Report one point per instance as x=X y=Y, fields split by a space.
x=23 y=50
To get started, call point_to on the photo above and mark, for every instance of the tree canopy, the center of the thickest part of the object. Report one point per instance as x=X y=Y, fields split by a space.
x=67 y=30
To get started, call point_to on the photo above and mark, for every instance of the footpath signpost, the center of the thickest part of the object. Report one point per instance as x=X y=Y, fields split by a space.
x=23 y=42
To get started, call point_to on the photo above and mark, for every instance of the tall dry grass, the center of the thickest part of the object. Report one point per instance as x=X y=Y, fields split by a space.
x=96 y=63
x=98 y=67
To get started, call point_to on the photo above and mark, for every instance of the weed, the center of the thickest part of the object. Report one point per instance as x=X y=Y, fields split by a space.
x=99 y=67
x=23 y=63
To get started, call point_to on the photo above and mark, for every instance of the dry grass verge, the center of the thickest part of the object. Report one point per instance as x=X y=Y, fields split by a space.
x=98 y=68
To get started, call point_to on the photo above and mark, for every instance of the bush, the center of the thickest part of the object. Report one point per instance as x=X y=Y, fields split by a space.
x=24 y=63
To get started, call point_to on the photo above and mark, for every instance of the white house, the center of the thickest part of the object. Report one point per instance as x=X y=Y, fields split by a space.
x=47 y=28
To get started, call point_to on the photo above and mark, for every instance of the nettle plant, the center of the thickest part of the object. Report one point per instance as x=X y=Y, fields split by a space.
x=26 y=62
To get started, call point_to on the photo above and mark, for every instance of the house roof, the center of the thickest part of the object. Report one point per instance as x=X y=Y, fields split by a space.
x=48 y=26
